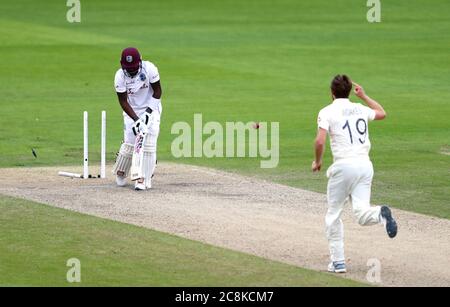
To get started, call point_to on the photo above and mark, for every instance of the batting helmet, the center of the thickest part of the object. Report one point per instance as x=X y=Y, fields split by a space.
x=131 y=61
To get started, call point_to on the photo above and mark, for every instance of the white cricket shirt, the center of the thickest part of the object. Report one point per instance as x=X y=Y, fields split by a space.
x=347 y=125
x=138 y=88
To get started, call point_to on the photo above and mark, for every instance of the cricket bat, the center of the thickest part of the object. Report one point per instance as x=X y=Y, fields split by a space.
x=137 y=161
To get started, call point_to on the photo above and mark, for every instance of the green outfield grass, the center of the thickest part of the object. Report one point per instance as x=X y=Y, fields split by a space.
x=236 y=61
x=37 y=240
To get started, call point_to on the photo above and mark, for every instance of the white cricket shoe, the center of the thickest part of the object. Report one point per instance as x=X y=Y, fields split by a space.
x=148 y=183
x=139 y=186
x=389 y=221
x=337 y=267
x=121 y=181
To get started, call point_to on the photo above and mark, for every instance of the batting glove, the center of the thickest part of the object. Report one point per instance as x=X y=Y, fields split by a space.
x=147 y=116
x=140 y=127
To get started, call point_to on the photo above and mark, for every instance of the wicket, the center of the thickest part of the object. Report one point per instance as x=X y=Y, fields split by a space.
x=86 y=174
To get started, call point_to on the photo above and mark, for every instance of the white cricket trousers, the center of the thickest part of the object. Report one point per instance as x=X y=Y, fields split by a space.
x=348 y=180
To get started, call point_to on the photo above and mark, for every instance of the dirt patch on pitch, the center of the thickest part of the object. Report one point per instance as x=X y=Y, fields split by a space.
x=250 y=215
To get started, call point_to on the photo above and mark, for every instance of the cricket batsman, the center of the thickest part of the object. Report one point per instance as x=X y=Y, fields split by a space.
x=350 y=176
x=139 y=92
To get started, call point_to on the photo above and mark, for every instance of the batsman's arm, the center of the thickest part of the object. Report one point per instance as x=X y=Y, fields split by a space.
x=157 y=90
x=157 y=93
x=126 y=106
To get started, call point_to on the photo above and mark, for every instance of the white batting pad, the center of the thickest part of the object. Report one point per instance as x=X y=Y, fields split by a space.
x=123 y=162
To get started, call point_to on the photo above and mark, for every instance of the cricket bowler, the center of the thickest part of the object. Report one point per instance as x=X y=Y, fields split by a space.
x=350 y=175
x=138 y=88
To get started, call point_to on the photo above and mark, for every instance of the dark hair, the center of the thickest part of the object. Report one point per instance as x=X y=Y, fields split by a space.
x=341 y=85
